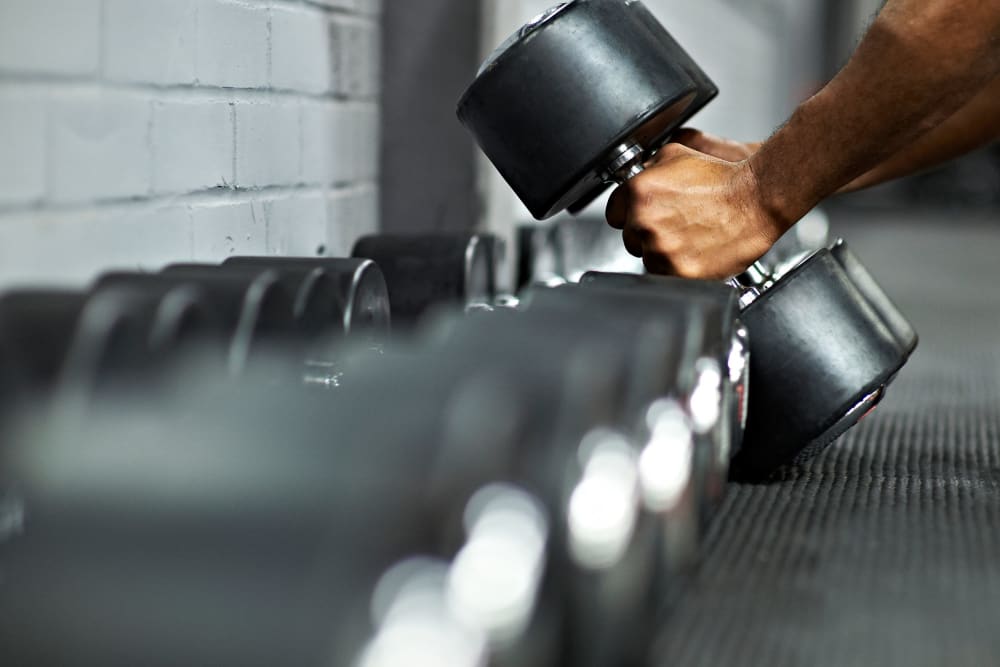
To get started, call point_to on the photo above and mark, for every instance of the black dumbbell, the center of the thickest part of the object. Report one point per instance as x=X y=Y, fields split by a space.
x=251 y=527
x=578 y=122
x=902 y=330
x=709 y=376
x=824 y=348
x=335 y=298
x=435 y=269
x=256 y=311
x=809 y=386
x=36 y=331
x=726 y=337
x=594 y=372
x=127 y=338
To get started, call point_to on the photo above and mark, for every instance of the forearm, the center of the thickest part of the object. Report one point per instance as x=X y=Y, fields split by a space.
x=973 y=126
x=921 y=62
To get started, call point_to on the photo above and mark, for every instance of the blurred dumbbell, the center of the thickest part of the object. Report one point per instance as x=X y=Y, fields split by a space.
x=335 y=298
x=127 y=337
x=36 y=331
x=821 y=355
x=707 y=373
x=435 y=269
x=568 y=375
x=80 y=344
x=227 y=526
x=256 y=310
x=726 y=338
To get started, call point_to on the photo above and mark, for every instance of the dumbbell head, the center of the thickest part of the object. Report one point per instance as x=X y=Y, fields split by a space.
x=204 y=530
x=338 y=297
x=124 y=337
x=537 y=347
x=435 y=269
x=822 y=356
x=256 y=311
x=580 y=96
x=904 y=333
x=724 y=335
x=36 y=331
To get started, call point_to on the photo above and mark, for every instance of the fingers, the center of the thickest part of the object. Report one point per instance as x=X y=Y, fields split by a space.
x=617 y=211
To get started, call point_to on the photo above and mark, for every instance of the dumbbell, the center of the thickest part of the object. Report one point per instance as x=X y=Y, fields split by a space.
x=434 y=269
x=615 y=598
x=709 y=378
x=36 y=331
x=904 y=333
x=127 y=338
x=222 y=526
x=826 y=341
x=256 y=310
x=607 y=88
x=335 y=298
x=78 y=343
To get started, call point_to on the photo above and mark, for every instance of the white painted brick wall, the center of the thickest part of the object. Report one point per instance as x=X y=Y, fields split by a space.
x=134 y=133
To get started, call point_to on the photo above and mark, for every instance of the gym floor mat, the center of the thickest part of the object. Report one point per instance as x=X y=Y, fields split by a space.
x=885 y=550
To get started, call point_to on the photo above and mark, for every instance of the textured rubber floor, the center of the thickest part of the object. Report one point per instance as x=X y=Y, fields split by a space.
x=885 y=550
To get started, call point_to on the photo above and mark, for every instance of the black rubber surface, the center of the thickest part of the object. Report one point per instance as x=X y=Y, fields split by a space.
x=885 y=550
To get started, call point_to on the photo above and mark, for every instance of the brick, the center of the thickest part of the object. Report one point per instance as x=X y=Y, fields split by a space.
x=98 y=146
x=357 y=57
x=150 y=41
x=268 y=144
x=22 y=135
x=223 y=229
x=297 y=226
x=192 y=146
x=300 y=50
x=328 y=143
x=72 y=247
x=366 y=139
x=232 y=43
x=50 y=36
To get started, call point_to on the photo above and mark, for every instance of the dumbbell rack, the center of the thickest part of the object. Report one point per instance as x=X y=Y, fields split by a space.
x=480 y=444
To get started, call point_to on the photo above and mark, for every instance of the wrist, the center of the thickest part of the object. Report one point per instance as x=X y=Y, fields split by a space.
x=790 y=181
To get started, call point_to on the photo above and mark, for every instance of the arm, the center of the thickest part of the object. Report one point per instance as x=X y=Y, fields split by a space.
x=921 y=61
x=698 y=216
x=974 y=125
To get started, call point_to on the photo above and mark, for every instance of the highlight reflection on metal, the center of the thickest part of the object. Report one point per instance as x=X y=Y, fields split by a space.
x=416 y=627
x=739 y=373
x=494 y=581
x=604 y=506
x=666 y=461
x=706 y=397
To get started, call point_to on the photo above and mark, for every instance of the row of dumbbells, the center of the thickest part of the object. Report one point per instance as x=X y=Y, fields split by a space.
x=509 y=486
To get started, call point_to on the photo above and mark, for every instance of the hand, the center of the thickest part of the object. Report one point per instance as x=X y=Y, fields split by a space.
x=694 y=216
x=724 y=149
